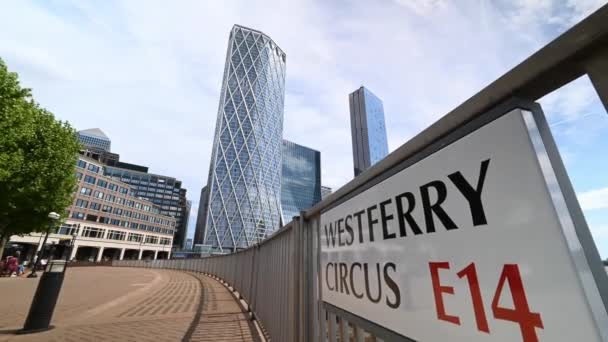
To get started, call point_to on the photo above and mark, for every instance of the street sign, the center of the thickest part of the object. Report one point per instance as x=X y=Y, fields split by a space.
x=473 y=242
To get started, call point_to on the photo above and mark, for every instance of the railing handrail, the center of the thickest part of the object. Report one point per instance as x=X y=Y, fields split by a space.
x=553 y=66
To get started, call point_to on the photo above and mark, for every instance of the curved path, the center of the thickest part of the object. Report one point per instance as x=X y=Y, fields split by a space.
x=129 y=304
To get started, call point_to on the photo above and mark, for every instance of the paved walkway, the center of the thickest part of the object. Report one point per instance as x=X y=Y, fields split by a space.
x=129 y=304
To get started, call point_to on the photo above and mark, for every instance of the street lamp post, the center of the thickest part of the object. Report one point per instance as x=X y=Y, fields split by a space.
x=47 y=293
x=53 y=216
x=72 y=245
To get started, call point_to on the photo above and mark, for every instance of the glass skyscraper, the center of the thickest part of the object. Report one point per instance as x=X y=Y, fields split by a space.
x=244 y=183
x=201 y=218
x=301 y=182
x=368 y=129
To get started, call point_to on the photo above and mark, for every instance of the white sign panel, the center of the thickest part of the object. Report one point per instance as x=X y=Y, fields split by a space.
x=468 y=244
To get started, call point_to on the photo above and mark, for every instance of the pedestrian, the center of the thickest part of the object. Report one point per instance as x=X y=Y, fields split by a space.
x=13 y=265
x=20 y=267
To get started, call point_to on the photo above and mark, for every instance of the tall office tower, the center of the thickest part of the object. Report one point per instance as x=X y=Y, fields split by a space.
x=301 y=180
x=244 y=180
x=185 y=222
x=368 y=129
x=201 y=218
x=325 y=191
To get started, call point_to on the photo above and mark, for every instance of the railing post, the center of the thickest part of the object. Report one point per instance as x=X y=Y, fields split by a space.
x=597 y=69
x=252 y=295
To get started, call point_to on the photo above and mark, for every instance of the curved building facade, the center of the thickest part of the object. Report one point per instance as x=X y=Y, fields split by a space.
x=244 y=183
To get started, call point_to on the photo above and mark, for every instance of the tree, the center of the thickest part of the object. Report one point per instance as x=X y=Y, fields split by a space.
x=37 y=160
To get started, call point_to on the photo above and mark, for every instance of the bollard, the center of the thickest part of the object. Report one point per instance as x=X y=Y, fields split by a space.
x=45 y=299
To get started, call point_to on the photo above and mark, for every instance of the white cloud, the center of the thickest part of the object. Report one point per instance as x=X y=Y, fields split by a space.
x=149 y=74
x=594 y=199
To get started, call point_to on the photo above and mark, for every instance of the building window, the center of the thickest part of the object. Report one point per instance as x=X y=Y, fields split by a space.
x=93 y=167
x=165 y=241
x=85 y=191
x=78 y=175
x=68 y=229
x=80 y=203
x=89 y=179
x=77 y=215
x=106 y=209
x=116 y=235
x=105 y=220
x=133 y=225
x=120 y=200
x=93 y=232
x=95 y=206
x=113 y=187
x=152 y=240
x=98 y=194
x=110 y=198
x=117 y=211
x=81 y=163
x=124 y=190
x=102 y=183
x=92 y=218
x=135 y=237
x=115 y=222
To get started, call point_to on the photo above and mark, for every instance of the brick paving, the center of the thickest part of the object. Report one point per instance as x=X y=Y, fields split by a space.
x=129 y=304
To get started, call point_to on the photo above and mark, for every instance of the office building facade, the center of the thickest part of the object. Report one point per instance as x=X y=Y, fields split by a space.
x=165 y=192
x=301 y=179
x=368 y=129
x=244 y=181
x=107 y=220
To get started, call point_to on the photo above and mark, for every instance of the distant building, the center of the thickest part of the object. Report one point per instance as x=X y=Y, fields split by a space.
x=188 y=245
x=186 y=221
x=201 y=218
x=108 y=220
x=94 y=137
x=96 y=145
x=368 y=129
x=325 y=190
x=244 y=179
x=301 y=179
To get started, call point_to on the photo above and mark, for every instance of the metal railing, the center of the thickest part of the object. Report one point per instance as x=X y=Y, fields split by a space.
x=279 y=277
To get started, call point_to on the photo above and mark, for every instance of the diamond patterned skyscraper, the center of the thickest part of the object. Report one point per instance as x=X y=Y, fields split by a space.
x=244 y=184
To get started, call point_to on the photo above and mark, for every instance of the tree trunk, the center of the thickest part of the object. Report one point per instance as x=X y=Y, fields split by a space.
x=3 y=241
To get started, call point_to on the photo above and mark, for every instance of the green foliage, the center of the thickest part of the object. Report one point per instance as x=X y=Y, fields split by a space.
x=37 y=159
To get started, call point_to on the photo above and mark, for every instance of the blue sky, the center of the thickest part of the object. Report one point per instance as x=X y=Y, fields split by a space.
x=148 y=73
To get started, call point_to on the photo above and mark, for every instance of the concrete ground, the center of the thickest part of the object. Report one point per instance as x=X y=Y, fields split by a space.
x=129 y=304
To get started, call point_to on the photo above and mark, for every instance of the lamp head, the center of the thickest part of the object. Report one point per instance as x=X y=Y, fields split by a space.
x=54 y=216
